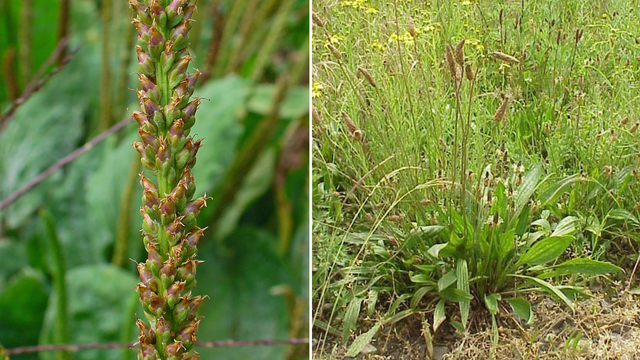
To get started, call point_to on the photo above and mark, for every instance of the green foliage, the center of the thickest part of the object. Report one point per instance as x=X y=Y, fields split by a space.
x=85 y=197
x=99 y=304
x=22 y=307
x=424 y=188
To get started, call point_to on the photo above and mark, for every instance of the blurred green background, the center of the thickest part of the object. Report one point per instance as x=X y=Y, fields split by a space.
x=82 y=223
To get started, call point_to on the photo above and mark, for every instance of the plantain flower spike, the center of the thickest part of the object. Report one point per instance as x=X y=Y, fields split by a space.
x=169 y=212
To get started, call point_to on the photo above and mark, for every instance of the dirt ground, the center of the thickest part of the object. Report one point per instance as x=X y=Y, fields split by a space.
x=600 y=328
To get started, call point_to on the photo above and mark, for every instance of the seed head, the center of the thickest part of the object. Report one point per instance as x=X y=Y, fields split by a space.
x=367 y=76
x=502 y=110
x=504 y=57
x=459 y=54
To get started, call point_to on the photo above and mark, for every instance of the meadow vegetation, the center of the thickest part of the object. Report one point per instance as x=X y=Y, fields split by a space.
x=471 y=161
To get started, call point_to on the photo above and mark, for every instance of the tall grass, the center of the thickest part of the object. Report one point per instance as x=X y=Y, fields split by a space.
x=467 y=153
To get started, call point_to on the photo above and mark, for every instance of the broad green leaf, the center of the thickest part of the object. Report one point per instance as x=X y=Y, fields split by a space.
x=350 y=318
x=447 y=280
x=566 y=226
x=438 y=315
x=257 y=181
x=456 y=295
x=526 y=189
x=363 y=340
x=422 y=279
x=219 y=125
x=241 y=306
x=491 y=302
x=104 y=187
x=587 y=267
x=546 y=250
x=294 y=105
x=427 y=231
x=101 y=305
x=372 y=301
x=623 y=215
x=22 y=307
x=462 y=274
x=522 y=309
x=543 y=285
x=507 y=240
x=434 y=250
x=14 y=258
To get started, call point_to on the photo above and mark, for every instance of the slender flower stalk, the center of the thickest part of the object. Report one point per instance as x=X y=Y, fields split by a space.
x=169 y=227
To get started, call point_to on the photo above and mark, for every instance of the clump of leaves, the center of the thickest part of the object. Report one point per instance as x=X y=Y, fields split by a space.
x=499 y=255
x=170 y=234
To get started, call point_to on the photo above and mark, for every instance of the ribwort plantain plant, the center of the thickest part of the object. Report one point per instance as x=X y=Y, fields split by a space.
x=169 y=227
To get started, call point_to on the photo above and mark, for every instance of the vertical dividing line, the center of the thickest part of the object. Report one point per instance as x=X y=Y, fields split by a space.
x=61 y=328
x=105 y=75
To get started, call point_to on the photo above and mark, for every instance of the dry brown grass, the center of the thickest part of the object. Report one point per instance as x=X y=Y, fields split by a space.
x=600 y=328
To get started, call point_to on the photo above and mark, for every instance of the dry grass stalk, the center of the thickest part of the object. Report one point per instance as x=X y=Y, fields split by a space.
x=367 y=75
x=459 y=54
x=502 y=110
x=504 y=57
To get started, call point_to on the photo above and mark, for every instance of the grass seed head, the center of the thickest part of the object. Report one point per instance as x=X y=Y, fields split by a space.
x=367 y=75
x=459 y=54
x=335 y=52
x=502 y=110
x=468 y=72
x=451 y=62
x=412 y=28
x=317 y=20
x=351 y=126
x=504 y=57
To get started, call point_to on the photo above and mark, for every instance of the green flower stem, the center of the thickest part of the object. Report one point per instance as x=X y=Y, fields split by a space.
x=169 y=227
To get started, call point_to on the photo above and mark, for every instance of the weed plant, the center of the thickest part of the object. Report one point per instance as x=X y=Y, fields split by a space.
x=466 y=154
